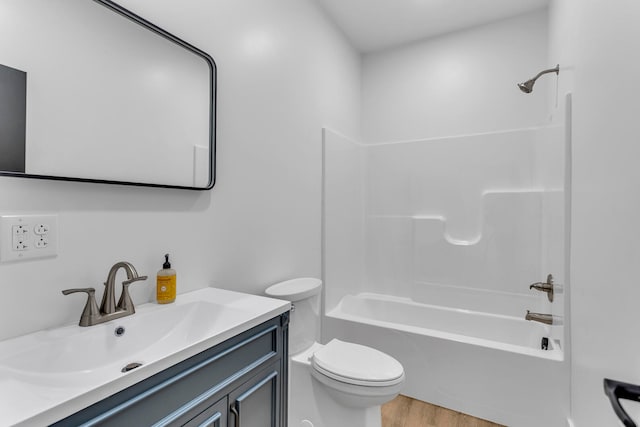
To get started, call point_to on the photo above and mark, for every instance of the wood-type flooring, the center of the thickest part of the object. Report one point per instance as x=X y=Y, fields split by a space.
x=404 y=411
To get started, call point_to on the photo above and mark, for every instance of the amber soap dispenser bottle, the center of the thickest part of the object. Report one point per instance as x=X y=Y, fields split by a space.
x=166 y=283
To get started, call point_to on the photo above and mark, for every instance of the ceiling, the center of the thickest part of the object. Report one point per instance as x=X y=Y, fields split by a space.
x=373 y=25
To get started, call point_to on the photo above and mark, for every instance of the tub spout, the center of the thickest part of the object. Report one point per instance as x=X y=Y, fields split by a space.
x=538 y=317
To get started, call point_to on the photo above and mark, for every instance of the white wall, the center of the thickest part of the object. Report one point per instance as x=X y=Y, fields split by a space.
x=284 y=72
x=460 y=83
x=596 y=42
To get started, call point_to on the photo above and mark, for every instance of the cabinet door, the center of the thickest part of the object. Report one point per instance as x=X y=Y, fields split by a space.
x=205 y=413
x=213 y=416
x=256 y=403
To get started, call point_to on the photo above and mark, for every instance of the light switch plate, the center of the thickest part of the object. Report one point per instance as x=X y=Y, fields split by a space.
x=28 y=236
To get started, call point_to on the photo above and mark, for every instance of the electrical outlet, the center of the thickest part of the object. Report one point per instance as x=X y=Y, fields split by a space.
x=28 y=236
x=41 y=242
x=19 y=237
x=20 y=230
x=41 y=228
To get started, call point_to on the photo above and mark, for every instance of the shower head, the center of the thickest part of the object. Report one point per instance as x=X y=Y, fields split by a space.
x=527 y=87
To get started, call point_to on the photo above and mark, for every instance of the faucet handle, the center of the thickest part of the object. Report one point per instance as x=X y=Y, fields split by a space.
x=91 y=310
x=74 y=290
x=547 y=287
x=125 y=303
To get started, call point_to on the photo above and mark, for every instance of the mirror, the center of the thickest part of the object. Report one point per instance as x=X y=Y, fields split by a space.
x=92 y=92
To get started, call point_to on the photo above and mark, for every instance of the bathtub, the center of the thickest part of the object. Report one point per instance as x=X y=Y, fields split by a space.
x=490 y=366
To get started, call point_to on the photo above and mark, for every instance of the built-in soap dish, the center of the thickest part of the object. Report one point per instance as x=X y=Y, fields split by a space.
x=131 y=366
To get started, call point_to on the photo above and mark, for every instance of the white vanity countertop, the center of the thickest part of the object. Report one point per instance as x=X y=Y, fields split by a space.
x=48 y=375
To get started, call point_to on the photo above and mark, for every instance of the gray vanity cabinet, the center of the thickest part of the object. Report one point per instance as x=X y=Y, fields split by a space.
x=241 y=382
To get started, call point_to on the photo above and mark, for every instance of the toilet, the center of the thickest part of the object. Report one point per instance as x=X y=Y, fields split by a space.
x=337 y=384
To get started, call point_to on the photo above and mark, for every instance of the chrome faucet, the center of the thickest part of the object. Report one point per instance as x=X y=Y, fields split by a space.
x=538 y=317
x=108 y=310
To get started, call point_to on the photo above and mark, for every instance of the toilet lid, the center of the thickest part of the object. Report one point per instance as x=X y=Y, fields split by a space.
x=295 y=289
x=357 y=364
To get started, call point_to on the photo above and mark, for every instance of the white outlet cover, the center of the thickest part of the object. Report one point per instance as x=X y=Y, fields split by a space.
x=38 y=245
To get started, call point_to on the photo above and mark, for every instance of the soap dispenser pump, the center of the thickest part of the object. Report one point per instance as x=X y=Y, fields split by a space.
x=166 y=283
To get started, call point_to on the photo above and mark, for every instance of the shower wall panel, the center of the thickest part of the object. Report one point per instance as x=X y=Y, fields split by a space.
x=466 y=221
x=343 y=219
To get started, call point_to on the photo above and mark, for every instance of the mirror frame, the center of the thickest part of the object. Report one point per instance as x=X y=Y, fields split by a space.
x=114 y=7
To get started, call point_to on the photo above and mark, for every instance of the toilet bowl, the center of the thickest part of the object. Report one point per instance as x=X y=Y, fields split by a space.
x=337 y=384
x=357 y=376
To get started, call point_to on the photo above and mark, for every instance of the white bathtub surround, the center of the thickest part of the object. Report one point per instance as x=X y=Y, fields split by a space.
x=343 y=196
x=453 y=231
x=399 y=221
x=434 y=247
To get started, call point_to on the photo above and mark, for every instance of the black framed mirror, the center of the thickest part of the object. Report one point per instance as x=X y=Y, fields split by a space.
x=90 y=91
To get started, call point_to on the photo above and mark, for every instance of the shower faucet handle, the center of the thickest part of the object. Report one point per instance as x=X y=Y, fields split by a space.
x=545 y=287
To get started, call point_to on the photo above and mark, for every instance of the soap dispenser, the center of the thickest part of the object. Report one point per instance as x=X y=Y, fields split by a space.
x=166 y=283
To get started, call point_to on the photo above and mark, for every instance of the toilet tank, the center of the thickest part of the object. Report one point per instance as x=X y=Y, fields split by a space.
x=304 y=324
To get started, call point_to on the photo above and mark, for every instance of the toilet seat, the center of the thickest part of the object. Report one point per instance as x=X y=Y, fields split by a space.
x=357 y=364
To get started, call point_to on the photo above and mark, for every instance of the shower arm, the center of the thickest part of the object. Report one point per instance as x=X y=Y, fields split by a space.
x=527 y=87
x=555 y=69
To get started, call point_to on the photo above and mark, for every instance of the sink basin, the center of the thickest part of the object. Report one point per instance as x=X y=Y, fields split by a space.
x=56 y=372
x=142 y=338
